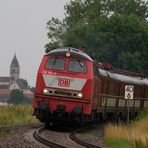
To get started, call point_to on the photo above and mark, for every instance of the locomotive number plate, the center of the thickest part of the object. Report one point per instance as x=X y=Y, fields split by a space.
x=64 y=82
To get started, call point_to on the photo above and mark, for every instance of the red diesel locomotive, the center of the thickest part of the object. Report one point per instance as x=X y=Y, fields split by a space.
x=71 y=87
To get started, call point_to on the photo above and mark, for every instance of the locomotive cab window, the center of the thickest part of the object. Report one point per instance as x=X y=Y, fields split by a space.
x=77 y=66
x=55 y=63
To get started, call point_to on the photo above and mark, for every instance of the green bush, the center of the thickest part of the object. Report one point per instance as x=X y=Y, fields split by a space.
x=17 y=97
x=143 y=113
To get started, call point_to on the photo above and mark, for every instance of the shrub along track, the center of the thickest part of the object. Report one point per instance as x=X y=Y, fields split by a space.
x=38 y=135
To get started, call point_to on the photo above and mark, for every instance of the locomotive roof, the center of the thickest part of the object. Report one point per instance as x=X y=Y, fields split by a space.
x=124 y=78
x=74 y=53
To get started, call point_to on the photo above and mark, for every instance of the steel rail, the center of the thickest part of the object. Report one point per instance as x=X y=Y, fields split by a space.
x=38 y=137
x=74 y=138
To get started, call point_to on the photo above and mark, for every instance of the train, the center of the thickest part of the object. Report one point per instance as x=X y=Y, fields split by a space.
x=71 y=87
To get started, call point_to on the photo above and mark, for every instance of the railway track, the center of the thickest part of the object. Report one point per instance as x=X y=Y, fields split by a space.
x=38 y=137
x=72 y=136
x=81 y=142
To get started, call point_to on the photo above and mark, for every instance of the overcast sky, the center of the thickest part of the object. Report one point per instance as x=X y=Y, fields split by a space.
x=23 y=31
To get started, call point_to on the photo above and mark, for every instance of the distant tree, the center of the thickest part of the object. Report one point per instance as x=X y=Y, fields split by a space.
x=84 y=11
x=17 y=97
x=27 y=100
x=32 y=89
x=57 y=29
x=130 y=60
x=113 y=31
x=23 y=83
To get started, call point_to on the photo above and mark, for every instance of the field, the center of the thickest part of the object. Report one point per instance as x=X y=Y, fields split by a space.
x=16 y=114
x=134 y=135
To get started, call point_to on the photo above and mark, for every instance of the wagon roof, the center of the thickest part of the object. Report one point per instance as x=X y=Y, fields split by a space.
x=124 y=78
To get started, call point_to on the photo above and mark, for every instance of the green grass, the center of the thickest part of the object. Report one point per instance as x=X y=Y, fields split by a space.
x=118 y=143
x=16 y=114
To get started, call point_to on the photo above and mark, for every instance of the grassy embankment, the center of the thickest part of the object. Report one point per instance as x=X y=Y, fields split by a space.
x=16 y=114
x=133 y=136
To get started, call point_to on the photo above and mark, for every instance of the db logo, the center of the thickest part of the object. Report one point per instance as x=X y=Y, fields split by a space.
x=63 y=82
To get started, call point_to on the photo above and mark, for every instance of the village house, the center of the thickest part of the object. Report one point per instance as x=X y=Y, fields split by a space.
x=8 y=83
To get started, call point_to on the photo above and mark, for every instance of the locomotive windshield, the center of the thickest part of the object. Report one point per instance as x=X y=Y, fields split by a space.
x=55 y=63
x=77 y=66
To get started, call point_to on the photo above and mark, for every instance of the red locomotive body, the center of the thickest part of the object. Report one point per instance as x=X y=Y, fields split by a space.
x=71 y=87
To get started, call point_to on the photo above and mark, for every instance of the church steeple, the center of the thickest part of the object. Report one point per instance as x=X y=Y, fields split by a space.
x=14 y=69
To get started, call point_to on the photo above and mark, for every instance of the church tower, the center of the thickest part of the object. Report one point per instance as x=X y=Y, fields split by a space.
x=14 y=69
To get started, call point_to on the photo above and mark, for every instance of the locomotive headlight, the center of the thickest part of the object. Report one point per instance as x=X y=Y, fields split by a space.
x=80 y=95
x=68 y=54
x=45 y=91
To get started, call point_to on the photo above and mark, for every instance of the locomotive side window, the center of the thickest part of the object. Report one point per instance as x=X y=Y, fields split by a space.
x=55 y=63
x=77 y=66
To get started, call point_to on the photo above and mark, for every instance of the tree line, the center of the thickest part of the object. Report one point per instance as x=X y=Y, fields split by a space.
x=112 y=31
